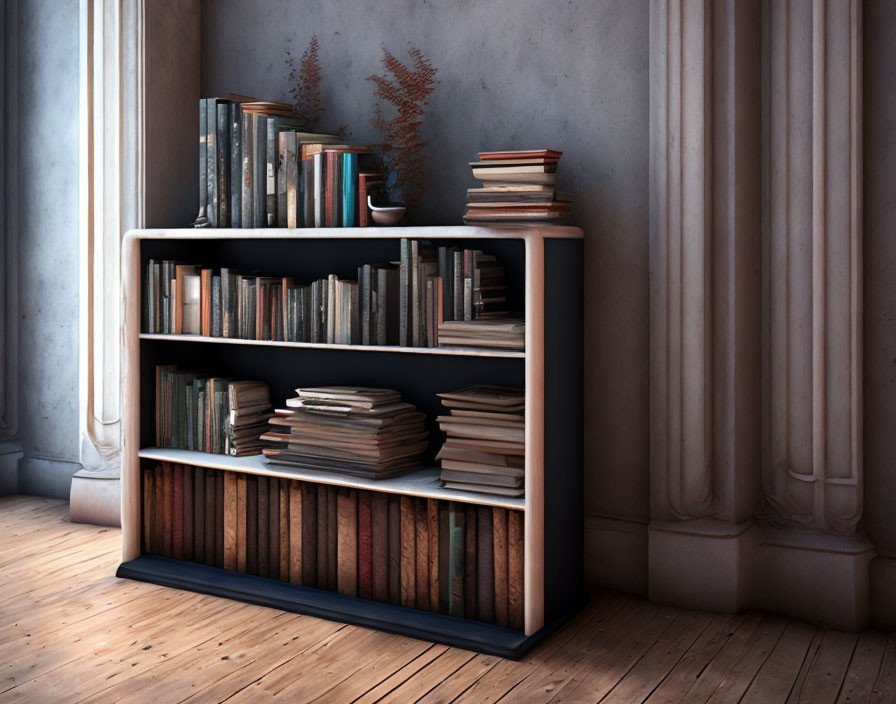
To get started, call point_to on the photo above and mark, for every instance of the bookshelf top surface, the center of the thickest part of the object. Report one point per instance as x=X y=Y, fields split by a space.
x=524 y=232
x=423 y=482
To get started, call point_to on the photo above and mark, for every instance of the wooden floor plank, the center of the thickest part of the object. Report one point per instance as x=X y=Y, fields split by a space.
x=400 y=676
x=863 y=668
x=775 y=678
x=884 y=689
x=825 y=676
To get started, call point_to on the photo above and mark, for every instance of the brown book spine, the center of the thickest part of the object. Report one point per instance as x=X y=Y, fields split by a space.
x=408 y=552
x=168 y=524
x=471 y=561
x=252 y=524
x=485 y=573
x=284 y=530
x=515 y=569
x=322 y=537
x=219 y=519
x=330 y=190
x=158 y=510
x=177 y=512
x=274 y=527
x=264 y=527
x=421 y=557
x=198 y=514
x=365 y=545
x=394 y=549
x=309 y=535
x=209 y=518
x=499 y=552
x=332 y=527
x=230 y=521
x=432 y=530
x=205 y=301
x=379 y=539
x=148 y=499
x=188 y=511
x=295 y=531
x=241 y=484
x=347 y=541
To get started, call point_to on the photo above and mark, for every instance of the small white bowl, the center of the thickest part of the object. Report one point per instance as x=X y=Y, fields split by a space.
x=386 y=214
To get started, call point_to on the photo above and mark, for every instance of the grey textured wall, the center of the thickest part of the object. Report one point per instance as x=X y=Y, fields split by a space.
x=569 y=76
x=880 y=272
x=47 y=202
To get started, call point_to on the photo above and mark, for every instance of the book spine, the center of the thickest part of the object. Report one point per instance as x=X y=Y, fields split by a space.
x=323 y=537
x=319 y=191
x=282 y=218
x=209 y=517
x=456 y=546
x=379 y=545
x=203 y=156
x=273 y=528
x=394 y=549
x=421 y=554
x=295 y=531
x=230 y=521
x=471 y=564
x=259 y=164
x=432 y=532
x=187 y=511
x=364 y=296
x=236 y=165
x=158 y=514
x=222 y=154
x=331 y=309
x=415 y=322
x=332 y=539
x=219 y=518
x=198 y=514
x=349 y=189
x=515 y=569
x=270 y=173
x=211 y=162
x=499 y=551
x=294 y=196
x=264 y=542
x=247 y=157
x=330 y=190
x=252 y=524
x=485 y=575
x=226 y=308
x=147 y=503
x=307 y=191
x=457 y=288
x=337 y=190
x=444 y=557
x=309 y=535
x=284 y=529
x=177 y=512
x=408 y=553
x=241 y=533
x=354 y=317
x=404 y=292
x=347 y=541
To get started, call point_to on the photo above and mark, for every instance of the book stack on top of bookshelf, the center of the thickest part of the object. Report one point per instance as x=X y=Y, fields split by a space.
x=518 y=187
x=260 y=167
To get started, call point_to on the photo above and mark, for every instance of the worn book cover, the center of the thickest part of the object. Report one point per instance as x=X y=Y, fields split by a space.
x=432 y=531
x=295 y=531
x=231 y=513
x=323 y=537
x=515 y=569
x=148 y=499
x=158 y=510
x=203 y=151
x=379 y=538
x=273 y=527
x=235 y=113
x=394 y=549
x=222 y=154
x=264 y=543
x=332 y=539
x=347 y=541
x=470 y=563
x=485 y=573
x=284 y=530
x=456 y=547
x=219 y=518
x=209 y=517
x=421 y=541
x=408 y=553
x=444 y=554
x=499 y=543
x=168 y=503
x=309 y=535
x=177 y=512
x=241 y=535
x=198 y=514
x=252 y=524
x=365 y=545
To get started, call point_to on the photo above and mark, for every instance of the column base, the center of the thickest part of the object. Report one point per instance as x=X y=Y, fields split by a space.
x=42 y=476
x=615 y=554
x=882 y=586
x=10 y=454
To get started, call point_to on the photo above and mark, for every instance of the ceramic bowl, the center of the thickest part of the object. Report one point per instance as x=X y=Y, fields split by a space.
x=386 y=215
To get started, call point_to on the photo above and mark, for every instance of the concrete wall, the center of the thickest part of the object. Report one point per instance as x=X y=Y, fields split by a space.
x=569 y=76
x=47 y=202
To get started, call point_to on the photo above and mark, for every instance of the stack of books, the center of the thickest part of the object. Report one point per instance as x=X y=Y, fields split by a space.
x=258 y=168
x=504 y=334
x=518 y=187
x=349 y=430
x=485 y=446
x=210 y=414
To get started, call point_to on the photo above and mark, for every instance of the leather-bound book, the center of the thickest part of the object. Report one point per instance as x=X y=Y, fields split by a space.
x=332 y=564
x=471 y=563
x=209 y=519
x=499 y=556
x=273 y=528
x=264 y=543
x=347 y=541
x=188 y=512
x=241 y=484
x=295 y=531
x=309 y=535
x=177 y=512
x=323 y=568
x=158 y=510
x=515 y=569
x=485 y=573
x=168 y=522
x=394 y=549
x=379 y=545
x=432 y=532
x=252 y=524
x=284 y=529
x=148 y=499
x=198 y=514
x=408 y=553
x=444 y=554
x=421 y=541
x=230 y=521
x=456 y=558
x=219 y=519
x=365 y=546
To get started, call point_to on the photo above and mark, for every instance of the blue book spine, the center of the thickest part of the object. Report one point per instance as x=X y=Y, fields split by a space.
x=349 y=189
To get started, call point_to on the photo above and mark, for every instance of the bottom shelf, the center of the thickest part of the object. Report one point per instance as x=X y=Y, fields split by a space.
x=425 y=625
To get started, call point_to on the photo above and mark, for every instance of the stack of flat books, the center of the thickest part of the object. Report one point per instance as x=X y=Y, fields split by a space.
x=518 y=187
x=504 y=334
x=485 y=446
x=351 y=430
x=249 y=412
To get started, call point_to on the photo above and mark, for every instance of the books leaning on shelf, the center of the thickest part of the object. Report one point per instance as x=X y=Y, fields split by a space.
x=348 y=430
x=485 y=446
x=505 y=334
x=210 y=414
x=518 y=187
x=429 y=554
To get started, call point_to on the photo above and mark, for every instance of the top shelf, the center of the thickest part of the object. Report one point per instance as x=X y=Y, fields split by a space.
x=462 y=232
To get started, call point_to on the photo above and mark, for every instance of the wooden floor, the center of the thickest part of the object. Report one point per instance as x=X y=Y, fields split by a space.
x=72 y=632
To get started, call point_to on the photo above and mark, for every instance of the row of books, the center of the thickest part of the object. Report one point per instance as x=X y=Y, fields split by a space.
x=258 y=168
x=484 y=450
x=518 y=187
x=428 y=554
x=350 y=430
x=210 y=414
x=405 y=302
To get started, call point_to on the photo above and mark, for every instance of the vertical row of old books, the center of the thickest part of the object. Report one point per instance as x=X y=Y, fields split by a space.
x=441 y=556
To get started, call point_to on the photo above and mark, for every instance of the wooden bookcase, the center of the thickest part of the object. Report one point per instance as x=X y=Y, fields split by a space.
x=544 y=275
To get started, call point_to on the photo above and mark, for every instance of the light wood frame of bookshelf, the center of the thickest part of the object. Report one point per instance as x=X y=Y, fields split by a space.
x=533 y=238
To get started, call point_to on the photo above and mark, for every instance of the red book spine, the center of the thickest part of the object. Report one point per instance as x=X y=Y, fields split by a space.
x=365 y=551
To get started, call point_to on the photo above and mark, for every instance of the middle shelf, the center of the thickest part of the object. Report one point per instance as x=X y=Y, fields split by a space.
x=423 y=482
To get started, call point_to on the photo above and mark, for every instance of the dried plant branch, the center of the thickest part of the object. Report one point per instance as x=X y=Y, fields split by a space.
x=305 y=84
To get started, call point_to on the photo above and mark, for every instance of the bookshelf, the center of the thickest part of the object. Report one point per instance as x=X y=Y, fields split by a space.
x=544 y=269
